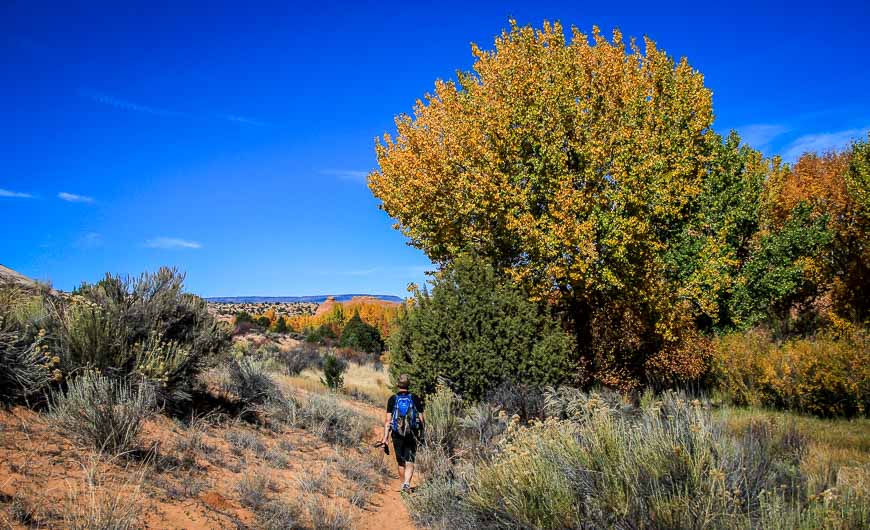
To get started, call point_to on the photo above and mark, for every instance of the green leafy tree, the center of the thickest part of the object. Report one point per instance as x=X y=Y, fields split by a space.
x=361 y=336
x=264 y=322
x=779 y=276
x=477 y=329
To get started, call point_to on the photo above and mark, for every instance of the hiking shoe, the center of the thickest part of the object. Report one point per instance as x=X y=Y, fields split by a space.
x=406 y=488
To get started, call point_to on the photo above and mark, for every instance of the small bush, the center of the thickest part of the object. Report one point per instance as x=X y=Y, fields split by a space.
x=476 y=330
x=484 y=422
x=324 y=517
x=276 y=515
x=250 y=382
x=241 y=441
x=314 y=482
x=333 y=372
x=146 y=327
x=526 y=401
x=26 y=367
x=443 y=413
x=297 y=359
x=102 y=413
x=440 y=503
x=321 y=334
x=253 y=488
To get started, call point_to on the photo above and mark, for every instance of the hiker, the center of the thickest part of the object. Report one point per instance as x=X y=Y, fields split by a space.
x=405 y=421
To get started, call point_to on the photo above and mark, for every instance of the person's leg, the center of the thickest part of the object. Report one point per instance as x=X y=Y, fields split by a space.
x=410 y=457
x=409 y=472
x=399 y=449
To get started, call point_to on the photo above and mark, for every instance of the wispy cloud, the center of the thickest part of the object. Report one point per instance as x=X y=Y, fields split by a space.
x=15 y=194
x=90 y=240
x=760 y=135
x=72 y=197
x=123 y=104
x=242 y=119
x=820 y=142
x=171 y=243
x=346 y=174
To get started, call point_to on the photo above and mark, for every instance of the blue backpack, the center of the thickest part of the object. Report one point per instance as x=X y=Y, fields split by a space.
x=404 y=415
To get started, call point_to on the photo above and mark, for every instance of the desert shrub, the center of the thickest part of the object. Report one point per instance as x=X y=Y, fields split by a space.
x=299 y=358
x=476 y=330
x=323 y=517
x=26 y=367
x=334 y=422
x=443 y=413
x=440 y=503
x=103 y=413
x=524 y=400
x=483 y=422
x=361 y=336
x=824 y=376
x=145 y=326
x=253 y=488
x=241 y=441
x=333 y=372
x=276 y=515
x=250 y=382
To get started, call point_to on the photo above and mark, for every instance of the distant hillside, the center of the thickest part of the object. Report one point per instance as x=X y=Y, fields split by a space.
x=319 y=299
x=8 y=275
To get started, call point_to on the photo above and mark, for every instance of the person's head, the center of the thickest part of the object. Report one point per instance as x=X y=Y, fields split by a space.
x=404 y=382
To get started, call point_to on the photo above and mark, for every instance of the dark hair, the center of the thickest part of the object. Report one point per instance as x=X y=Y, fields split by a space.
x=404 y=381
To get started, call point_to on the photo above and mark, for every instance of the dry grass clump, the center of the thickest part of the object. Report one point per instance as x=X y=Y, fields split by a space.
x=97 y=504
x=334 y=422
x=253 y=488
x=103 y=413
x=327 y=517
x=241 y=441
x=250 y=382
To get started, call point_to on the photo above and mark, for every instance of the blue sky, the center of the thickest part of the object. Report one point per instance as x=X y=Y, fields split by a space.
x=232 y=142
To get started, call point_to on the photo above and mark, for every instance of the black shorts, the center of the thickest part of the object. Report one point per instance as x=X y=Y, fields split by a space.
x=405 y=448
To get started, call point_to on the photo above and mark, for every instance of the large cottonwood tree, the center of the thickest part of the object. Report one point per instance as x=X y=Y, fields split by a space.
x=570 y=164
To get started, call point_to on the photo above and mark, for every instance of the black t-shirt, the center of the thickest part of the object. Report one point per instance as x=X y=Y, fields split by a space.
x=391 y=404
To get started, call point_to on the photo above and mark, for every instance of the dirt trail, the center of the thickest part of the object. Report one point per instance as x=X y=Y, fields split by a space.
x=388 y=511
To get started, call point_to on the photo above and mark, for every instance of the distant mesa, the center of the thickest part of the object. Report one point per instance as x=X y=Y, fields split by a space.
x=319 y=299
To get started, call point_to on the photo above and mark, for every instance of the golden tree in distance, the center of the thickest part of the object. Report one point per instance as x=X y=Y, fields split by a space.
x=569 y=164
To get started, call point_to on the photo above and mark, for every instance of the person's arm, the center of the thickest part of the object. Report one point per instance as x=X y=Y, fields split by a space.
x=388 y=419
x=387 y=422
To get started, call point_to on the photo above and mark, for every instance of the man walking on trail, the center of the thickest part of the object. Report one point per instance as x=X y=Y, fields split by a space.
x=405 y=422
